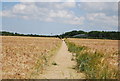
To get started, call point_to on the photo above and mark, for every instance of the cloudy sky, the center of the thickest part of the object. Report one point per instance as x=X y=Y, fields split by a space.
x=59 y=17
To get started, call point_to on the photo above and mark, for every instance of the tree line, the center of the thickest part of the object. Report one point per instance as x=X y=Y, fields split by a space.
x=5 y=33
x=92 y=34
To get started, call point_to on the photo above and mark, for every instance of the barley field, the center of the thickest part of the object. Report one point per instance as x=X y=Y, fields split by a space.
x=98 y=58
x=101 y=45
x=26 y=57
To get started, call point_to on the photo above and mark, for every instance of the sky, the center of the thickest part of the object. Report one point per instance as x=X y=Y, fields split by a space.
x=58 y=17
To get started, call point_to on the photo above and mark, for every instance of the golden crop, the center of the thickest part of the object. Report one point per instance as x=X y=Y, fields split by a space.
x=25 y=57
x=106 y=46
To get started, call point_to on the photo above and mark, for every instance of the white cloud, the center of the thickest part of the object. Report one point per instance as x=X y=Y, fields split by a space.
x=25 y=8
x=76 y=20
x=61 y=14
x=65 y=5
x=41 y=12
x=100 y=13
x=102 y=19
x=103 y=7
x=49 y=19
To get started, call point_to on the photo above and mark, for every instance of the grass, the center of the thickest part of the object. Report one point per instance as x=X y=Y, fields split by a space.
x=92 y=63
x=74 y=48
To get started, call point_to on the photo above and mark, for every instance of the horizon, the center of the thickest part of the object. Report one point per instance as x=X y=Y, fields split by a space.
x=52 y=34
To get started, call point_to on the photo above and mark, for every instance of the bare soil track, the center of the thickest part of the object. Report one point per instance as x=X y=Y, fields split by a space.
x=64 y=66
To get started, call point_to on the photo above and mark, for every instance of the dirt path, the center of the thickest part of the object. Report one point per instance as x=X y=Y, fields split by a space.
x=63 y=69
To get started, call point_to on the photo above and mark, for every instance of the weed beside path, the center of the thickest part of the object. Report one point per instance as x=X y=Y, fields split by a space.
x=93 y=63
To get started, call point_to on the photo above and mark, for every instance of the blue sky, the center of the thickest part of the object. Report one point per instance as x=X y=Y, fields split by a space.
x=59 y=17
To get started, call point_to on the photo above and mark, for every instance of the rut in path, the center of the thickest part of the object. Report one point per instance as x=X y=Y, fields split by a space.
x=64 y=68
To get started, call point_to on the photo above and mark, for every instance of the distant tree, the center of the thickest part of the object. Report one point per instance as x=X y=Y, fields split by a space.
x=92 y=34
